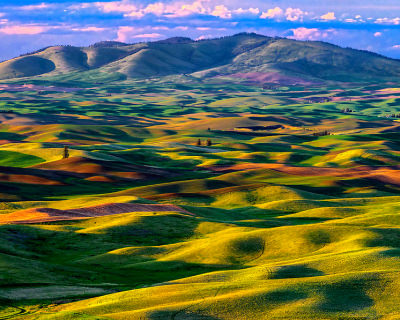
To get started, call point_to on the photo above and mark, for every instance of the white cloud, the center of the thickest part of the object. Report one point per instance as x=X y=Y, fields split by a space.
x=34 y=7
x=23 y=29
x=328 y=16
x=172 y=9
x=81 y=6
x=203 y=37
x=272 y=13
x=394 y=21
x=246 y=11
x=305 y=33
x=157 y=8
x=222 y=12
x=177 y=9
x=148 y=36
x=357 y=18
x=311 y=33
x=197 y=7
x=134 y=14
x=124 y=6
x=397 y=46
x=89 y=29
x=161 y=28
x=124 y=33
x=378 y=34
x=295 y=14
x=116 y=6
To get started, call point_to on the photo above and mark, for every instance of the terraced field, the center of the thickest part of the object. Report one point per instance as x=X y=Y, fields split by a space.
x=291 y=212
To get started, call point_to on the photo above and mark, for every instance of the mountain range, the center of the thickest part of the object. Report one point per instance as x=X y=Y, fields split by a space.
x=246 y=56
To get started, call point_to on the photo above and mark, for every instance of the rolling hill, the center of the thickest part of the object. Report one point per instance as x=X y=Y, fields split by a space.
x=243 y=56
x=196 y=187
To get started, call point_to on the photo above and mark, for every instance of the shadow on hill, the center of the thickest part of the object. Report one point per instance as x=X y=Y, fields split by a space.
x=73 y=177
x=155 y=272
x=85 y=257
x=391 y=253
x=75 y=187
x=284 y=295
x=295 y=271
x=347 y=296
x=318 y=237
x=11 y=135
x=252 y=217
x=386 y=237
x=382 y=186
x=192 y=186
x=103 y=134
x=179 y=315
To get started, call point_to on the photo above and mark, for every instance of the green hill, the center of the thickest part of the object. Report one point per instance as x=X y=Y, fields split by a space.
x=252 y=57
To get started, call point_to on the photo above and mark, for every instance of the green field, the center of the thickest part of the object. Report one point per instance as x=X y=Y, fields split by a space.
x=276 y=219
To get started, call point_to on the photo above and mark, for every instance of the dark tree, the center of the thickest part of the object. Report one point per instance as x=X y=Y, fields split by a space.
x=209 y=143
x=198 y=142
x=66 y=153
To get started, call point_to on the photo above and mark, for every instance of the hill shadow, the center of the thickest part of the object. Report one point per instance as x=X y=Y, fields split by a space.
x=346 y=296
x=179 y=315
x=295 y=271
x=387 y=237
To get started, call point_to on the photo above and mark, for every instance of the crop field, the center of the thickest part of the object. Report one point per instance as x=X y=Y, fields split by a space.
x=190 y=199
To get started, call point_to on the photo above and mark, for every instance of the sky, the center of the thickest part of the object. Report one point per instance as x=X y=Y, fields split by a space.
x=28 y=25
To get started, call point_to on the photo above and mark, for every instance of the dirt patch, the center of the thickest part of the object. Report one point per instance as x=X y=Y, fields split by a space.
x=37 y=215
x=74 y=164
x=88 y=166
x=117 y=208
x=100 y=179
x=22 y=178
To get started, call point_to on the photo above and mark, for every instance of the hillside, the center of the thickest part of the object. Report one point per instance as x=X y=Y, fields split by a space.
x=141 y=223
x=222 y=179
x=251 y=57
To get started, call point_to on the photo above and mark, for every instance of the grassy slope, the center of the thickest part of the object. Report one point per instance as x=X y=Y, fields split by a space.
x=242 y=53
x=284 y=224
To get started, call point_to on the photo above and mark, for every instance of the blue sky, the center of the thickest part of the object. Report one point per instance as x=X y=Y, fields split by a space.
x=27 y=25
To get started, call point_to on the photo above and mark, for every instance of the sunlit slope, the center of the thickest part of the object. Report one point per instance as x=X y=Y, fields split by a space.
x=308 y=297
x=244 y=250
x=272 y=254
x=340 y=268
x=309 y=59
x=244 y=56
x=270 y=219
x=60 y=59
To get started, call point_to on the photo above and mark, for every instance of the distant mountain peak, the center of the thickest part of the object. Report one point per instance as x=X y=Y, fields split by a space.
x=108 y=44
x=249 y=34
x=248 y=57
x=175 y=40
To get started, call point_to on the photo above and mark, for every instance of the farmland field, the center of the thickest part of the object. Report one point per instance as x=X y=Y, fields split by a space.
x=189 y=199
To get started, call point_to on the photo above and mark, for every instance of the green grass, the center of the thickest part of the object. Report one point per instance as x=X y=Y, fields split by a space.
x=281 y=224
x=16 y=159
